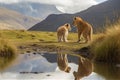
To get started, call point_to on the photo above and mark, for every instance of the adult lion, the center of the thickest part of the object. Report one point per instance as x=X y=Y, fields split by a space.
x=85 y=68
x=62 y=32
x=83 y=28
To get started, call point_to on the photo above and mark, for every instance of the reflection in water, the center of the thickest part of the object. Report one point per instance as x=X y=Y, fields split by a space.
x=46 y=70
x=109 y=71
x=55 y=75
x=85 y=68
x=6 y=61
x=62 y=62
x=32 y=63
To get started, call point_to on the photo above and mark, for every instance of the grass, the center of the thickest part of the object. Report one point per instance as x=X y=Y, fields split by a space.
x=7 y=53
x=41 y=40
x=106 y=46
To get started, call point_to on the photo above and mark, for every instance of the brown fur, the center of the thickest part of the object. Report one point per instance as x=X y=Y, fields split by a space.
x=62 y=62
x=85 y=68
x=83 y=28
x=62 y=32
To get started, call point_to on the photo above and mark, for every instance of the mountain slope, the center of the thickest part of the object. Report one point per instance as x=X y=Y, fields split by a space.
x=32 y=9
x=13 y=20
x=96 y=15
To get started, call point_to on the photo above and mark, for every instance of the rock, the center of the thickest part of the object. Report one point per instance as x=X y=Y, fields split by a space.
x=85 y=52
x=28 y=51
x=34 y=53
x=48 y=75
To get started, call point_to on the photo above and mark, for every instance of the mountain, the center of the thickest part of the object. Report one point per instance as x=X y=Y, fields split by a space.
x=97 y=15
x=10 y=19
x=32 y=9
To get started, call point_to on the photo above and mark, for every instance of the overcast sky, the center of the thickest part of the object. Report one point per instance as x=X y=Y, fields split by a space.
x=65 y=6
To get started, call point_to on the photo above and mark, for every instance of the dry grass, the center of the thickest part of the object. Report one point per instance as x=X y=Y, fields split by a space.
x=7 y=53
x=106 y=47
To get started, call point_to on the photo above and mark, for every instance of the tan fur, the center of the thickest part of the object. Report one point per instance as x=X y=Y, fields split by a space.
x=62 y=62
x=62 y=32
x=83 y=28
x=85 y=68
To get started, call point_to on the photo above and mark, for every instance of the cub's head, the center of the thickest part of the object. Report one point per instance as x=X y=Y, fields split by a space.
x=67 y=25
x=76 y=21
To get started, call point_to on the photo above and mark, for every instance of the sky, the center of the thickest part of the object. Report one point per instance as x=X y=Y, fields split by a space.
x=65 y=6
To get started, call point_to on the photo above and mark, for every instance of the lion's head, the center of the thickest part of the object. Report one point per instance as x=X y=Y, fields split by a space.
x=76 y=21
x=67 y=25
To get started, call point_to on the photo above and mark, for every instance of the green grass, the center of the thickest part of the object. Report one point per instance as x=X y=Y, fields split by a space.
x=44 y=40
x=106 y=46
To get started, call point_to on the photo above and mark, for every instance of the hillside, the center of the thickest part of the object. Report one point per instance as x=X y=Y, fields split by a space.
x=32 y=9
x=13 y=20
x=97 y=15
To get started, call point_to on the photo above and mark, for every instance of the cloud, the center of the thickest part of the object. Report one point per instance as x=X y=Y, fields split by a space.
x=68 y=6
x=65 y=6
x=9 y=1
x=76 y=6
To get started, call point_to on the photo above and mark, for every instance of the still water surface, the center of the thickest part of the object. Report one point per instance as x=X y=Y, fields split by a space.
x=43 y=66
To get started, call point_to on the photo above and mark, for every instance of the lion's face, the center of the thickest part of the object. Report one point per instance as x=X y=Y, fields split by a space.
x=76 y=21
x=68 y=26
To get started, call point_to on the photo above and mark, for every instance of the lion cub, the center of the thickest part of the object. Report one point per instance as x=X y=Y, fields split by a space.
x=62 y=62
x=62 y=32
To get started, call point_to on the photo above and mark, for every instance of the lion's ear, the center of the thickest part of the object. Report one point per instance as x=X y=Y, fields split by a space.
x=67 y=24
x=74 y=18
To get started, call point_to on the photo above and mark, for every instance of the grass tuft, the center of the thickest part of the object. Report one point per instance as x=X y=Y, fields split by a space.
x=7 y=53
x=106 y=47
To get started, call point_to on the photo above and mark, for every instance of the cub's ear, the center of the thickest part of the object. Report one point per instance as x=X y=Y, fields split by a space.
x=66 y=24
